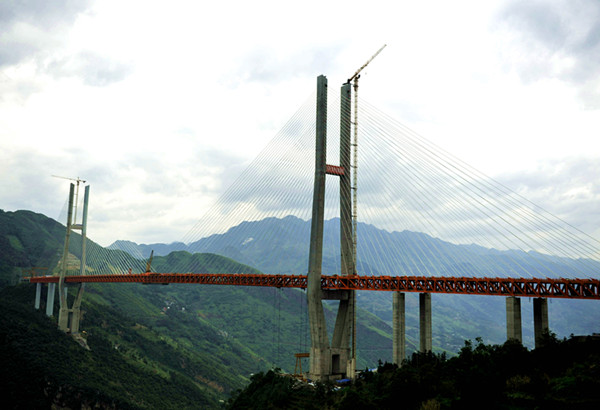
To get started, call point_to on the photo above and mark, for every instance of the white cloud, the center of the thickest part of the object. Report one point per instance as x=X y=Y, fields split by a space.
x=34 y=28
x=556 y=39
x=92 y=68
x=566 y=187
x=161 y=105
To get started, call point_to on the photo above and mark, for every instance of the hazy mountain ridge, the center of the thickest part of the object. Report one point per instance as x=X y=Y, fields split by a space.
x=456 y=317
x=281 y=246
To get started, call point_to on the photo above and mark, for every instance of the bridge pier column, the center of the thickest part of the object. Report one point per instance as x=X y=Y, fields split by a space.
x=38 y=295
x=63 y=312
x=65 y=293
x=399 y=328
x=75 y=319
x=425 y=322
x=513 y=319
x=50 y=299
x=540 y=319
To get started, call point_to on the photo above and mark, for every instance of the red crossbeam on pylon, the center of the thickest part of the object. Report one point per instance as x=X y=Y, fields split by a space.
x=334 y=170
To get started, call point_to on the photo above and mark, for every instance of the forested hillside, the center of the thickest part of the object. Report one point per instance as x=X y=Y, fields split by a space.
x=150 y=342
x=129 y=365
x=27 y=240
x=563 y=374
x=31 y=240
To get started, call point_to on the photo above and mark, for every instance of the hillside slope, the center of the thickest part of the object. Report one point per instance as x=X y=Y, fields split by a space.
x=128 y=366
x=31 y=240
x=209 y=337
x=27 y=240
x=281 y=246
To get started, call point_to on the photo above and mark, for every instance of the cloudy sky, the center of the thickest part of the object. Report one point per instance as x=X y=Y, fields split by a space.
x=160 y=105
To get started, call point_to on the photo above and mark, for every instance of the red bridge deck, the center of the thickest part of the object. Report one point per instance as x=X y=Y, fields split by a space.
x=547 y=288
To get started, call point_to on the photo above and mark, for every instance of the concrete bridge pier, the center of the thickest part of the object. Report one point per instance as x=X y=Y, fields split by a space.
x=399 y=328
x=425 y=322
x=38 y=295
x=513 y=319
x=540 y=320
x=63 y=311
x=50 y=299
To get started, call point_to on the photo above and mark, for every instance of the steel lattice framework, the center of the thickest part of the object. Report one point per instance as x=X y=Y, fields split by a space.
x=546 y=288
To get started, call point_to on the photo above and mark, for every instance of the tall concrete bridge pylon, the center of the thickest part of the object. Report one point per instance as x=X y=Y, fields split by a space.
x=338 y=359
x=68 y=318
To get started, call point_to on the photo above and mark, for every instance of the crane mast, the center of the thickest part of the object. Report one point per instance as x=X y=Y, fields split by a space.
x=354 y=188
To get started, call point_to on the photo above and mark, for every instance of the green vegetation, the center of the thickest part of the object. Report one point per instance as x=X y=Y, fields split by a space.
x=143 y=339
x=560 y=375
x=27 y=239
x=263 y=325
x=30 y=240
x=127 y=367
x=191 y=346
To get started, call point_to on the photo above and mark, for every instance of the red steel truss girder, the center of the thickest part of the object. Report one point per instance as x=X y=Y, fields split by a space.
x=550 y=288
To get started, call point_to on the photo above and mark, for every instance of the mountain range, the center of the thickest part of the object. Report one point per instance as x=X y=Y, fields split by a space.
x=209 y=339
x=280 y=245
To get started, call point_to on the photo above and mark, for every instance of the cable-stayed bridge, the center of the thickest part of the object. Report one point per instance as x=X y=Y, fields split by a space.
x=428 y=223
